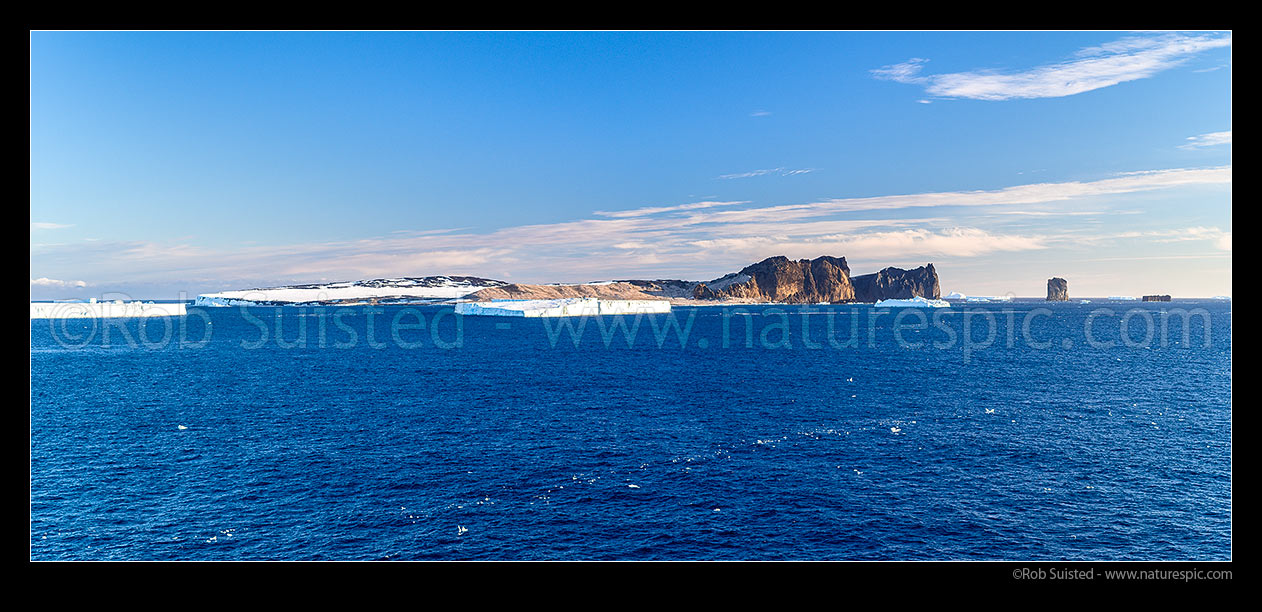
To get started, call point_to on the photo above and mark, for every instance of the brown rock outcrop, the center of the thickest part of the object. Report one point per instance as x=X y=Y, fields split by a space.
x=775 y=279
x=897 y=283
x=1057 y=290
x=780 y=279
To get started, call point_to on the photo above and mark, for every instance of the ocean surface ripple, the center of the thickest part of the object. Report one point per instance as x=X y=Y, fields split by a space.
x=514 y=445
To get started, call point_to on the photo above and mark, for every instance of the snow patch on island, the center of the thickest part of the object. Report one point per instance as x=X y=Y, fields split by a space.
x=728 y=280
x=564 y=307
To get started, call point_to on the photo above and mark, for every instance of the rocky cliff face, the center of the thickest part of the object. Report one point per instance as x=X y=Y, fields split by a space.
x=896 y=283
x=1057 y=290
x=780 y=279
x=775 y=279
x=823 y=279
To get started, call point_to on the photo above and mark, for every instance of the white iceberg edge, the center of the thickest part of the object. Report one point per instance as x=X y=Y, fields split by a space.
x=916 y=302
x=563 y=307
x=981 y=299
x=330 y=293
x=105 y=310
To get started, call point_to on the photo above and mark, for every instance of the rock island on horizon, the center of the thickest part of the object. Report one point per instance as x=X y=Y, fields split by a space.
x=777 y=279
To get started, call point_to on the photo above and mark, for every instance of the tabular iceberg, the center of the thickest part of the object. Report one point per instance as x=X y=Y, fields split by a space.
x=381 y=290
x=564 y=307
x=979 y=299
x=916 y=302
x=104 y=310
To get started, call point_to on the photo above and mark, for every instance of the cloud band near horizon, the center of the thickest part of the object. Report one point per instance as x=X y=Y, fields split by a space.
x=699 y=240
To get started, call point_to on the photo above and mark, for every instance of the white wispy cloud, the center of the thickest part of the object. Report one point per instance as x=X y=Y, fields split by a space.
x=1036 y=193
x=654 y=210
x=768 y=171
x=909 y=243
x=905 y=72
x=1223 y=242
x=760 y=113
x=1219 y=238
x=44 y=225
x=1216 y=237
x=1207 y=140
x=60 y=284
x=1127 y=59
x=1054 y=213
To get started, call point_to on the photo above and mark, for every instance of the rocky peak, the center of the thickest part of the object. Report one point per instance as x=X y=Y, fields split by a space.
x=897 y=283
x=1057 y=290
x=780 y=279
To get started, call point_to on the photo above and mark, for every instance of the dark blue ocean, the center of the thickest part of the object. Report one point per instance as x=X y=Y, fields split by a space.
x=1079 y=431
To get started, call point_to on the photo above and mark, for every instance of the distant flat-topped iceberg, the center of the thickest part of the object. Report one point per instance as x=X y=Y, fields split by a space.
x=564 y=307
x=117 y=309
x=916 y=302
x=981 y=299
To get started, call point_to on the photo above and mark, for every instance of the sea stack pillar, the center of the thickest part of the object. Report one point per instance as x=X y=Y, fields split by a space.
x=1057 y=290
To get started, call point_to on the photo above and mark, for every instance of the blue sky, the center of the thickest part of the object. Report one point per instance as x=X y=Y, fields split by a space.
x=168 y=162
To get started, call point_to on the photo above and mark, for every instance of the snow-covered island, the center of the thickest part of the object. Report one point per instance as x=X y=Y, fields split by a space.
x=93 y=309
x=563 y=307
x=376 y=291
